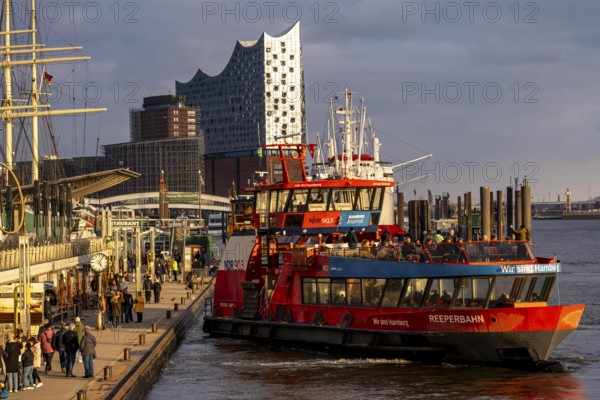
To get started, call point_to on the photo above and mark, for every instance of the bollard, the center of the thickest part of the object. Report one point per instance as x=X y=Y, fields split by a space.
x=107 y=373
x=126 y=353
x=168 y=314
x=142 y=339
x=182 y=301
x=188 y=295
x=81 y=394
x=154 y=327
x=176 y=307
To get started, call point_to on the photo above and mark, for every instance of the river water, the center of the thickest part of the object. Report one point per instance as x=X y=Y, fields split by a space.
x=204 y=368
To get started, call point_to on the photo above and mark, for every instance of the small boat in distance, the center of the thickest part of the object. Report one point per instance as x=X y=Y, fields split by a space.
x=288 y=276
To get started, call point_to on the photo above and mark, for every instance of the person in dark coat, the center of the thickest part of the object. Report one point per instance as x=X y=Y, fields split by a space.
x=59 y=345
x=351 y=238
x=127 y=315
x=148 y=288
x=88 y=351
x=71 y=343
x=27 y=361
x=13 y=351
x=156 y=288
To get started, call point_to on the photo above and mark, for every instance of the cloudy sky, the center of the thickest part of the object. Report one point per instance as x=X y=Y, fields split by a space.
x=493 y=89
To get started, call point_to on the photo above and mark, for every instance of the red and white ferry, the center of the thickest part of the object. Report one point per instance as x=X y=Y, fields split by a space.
x=286 y=277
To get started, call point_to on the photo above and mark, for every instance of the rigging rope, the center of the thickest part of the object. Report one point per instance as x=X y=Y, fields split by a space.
x=22 y=201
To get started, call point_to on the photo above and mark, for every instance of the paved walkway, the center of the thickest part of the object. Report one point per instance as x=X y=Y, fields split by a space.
x=110 y=349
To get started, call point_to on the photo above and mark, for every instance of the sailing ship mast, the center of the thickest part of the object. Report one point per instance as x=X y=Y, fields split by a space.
x=27 y=55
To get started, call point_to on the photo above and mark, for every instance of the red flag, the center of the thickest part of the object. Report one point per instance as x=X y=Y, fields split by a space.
x=47 y=78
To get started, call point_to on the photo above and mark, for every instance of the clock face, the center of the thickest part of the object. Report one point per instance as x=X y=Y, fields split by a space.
x=98 y=262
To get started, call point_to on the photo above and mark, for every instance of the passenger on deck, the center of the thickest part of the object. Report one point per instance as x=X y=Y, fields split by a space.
x=386 y=251
x=438 y=238
x=409 y=251
x=385 y=236
x=522 y=233
x=504 y=298
x=351 y=239
x=319 y=198
x=445 y=299
x=365 y=249
x=434 y=298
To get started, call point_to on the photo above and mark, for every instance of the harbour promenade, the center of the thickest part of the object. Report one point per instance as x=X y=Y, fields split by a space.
x=148 y=350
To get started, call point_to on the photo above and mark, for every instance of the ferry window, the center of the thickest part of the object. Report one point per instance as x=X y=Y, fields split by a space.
x=343 y=199
x=282 y=198
x=473 y=292
x=447 y=287
x=414 y=293
x=309 y=291
x=299 y=201
x=354 y=292
x=392 y=292
x=363 y=199
x=377 y=198
x=535 y=288
x=503 y=287
x=338 y=291
x=261 y=207
x=372 y=289
x=323 y=293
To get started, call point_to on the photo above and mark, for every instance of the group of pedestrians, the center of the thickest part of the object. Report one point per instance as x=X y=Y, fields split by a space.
x=23 y=355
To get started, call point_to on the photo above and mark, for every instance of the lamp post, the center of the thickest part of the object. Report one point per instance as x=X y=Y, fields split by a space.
x=200 y=183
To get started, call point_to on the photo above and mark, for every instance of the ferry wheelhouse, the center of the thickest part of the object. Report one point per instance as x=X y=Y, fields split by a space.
x=287 y=277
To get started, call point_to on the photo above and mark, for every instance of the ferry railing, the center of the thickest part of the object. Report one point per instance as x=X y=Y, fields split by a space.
x=39 y=254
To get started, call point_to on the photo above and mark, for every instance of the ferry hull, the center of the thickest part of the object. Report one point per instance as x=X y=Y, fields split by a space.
x=474 y=343
x=520 y=349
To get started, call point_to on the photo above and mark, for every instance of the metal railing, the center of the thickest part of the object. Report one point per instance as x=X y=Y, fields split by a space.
x=39 y=254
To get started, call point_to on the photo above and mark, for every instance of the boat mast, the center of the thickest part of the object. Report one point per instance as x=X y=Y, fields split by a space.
x=333 y=149
x=35 y=93
x=7 y=101
x=347 y=132
x=361 y=129
x=8 y=111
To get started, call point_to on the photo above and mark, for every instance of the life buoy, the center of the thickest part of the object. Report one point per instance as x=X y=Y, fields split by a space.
x=318 y=318
x=288 y=316
x=268 y=316
x=346 y=320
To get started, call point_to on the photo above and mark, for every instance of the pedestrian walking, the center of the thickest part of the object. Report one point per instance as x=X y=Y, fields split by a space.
x=175 y=269
x=27 y=362
x=88 y=351
x=36 y=349
x=71 y=343
x=127 y=315
x=139 y=306
x=116 y=308
x=13 y=351
x=148 y=288
x=156 y=288
x=60 y=346
x=46 y=340
x=79 y=330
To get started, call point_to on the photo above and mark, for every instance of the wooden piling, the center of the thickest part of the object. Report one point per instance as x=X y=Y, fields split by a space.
x=484 y=199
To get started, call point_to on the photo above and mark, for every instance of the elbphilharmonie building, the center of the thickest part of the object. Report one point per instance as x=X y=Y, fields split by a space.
x=257 y=99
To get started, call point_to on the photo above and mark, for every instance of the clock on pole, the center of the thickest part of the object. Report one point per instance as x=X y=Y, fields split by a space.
x=98 y=262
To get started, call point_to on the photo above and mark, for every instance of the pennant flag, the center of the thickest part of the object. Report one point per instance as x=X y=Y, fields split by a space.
x=47 y=78
x=429 y=196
